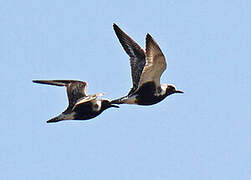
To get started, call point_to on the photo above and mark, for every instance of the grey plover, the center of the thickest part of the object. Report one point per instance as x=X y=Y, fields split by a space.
x=146 y=69
x=81 y=106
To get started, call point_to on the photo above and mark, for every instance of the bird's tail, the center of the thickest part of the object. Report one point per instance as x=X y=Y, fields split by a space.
x=118 y=101
x=55 y=119
x=61 y=117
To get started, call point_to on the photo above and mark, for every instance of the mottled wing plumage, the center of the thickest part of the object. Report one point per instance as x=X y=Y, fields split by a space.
x=75 y=89
x=136 y=53
x=155 y=63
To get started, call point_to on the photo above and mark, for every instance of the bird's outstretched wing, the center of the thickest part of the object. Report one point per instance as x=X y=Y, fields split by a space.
x=75 y=89
x=155 y=63
x=136 y=53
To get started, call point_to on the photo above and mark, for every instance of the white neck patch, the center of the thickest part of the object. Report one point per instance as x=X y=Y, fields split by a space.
x=97 y=105
x=163 y=89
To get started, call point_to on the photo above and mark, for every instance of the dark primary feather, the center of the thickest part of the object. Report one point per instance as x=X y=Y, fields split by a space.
x=53 y=82
x=136 y=53
x=75 y=89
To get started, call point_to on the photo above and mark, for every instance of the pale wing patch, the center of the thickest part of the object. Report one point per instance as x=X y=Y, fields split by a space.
x=87 y=99
x=155 y=63
x=99 y=94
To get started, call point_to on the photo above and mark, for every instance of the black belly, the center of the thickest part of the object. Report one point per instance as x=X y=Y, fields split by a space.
x=85 y=112
x=146 y=94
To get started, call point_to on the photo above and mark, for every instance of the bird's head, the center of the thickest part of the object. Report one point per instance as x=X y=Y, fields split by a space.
x=171 y=89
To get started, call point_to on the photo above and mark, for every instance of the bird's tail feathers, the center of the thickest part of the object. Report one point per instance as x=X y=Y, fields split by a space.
x=53 y=120
x=119 y=101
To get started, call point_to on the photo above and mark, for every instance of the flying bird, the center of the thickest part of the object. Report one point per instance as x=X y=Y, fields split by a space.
x=146 y=69
x=81 y=106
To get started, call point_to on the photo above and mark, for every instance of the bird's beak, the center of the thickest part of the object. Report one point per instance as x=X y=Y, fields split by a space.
x=179 y=91
x=112 y=105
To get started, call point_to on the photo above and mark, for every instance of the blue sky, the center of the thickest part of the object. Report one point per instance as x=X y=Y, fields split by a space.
x=201 y=134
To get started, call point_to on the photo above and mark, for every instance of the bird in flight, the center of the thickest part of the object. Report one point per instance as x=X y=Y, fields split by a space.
x=81 y=106
x=146 y=69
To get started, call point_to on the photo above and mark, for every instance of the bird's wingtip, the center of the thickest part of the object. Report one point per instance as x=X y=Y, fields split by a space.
x=36 y=81
x=49 y=121
x=115 y=26
x=148 y=37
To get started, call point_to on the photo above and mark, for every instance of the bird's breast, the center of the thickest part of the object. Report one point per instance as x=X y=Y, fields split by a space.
x=149 y=94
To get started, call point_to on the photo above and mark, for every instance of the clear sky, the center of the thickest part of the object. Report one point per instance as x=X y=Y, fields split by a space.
x=203 y=134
